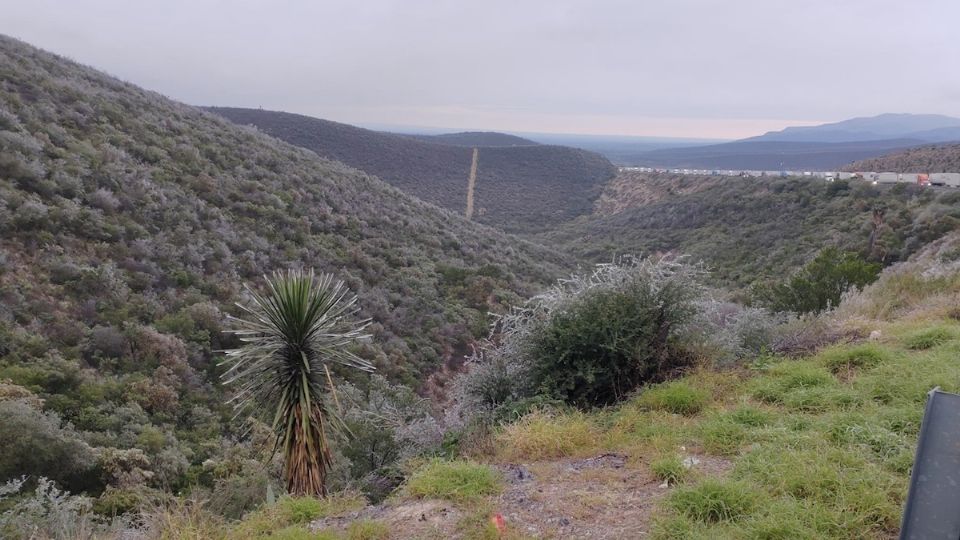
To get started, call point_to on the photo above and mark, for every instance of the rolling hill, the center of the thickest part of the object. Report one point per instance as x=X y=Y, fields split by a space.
x=476 y=138
x=928 y=159
x=518 y=188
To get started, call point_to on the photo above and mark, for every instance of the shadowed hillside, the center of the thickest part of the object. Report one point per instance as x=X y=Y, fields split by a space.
x=928 y=159
x=519 y=188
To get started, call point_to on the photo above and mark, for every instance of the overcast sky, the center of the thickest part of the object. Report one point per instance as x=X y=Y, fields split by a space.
x=686 y=68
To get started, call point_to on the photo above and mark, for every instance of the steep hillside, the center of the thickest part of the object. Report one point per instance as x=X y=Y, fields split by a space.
x=519 y=188
x=476 y=138
x=129 y=223
x=751 y=229
x=929 y=159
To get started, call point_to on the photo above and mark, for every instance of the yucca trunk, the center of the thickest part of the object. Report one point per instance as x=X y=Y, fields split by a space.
x=307 y=456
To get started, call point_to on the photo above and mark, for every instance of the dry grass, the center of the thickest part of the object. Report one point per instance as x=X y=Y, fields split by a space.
x=541 y=435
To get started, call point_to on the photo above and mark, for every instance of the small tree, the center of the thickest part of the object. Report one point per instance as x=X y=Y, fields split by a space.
x=819 y=285
x=291 y=336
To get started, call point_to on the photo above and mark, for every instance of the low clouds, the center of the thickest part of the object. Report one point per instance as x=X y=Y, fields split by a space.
x=668 y=67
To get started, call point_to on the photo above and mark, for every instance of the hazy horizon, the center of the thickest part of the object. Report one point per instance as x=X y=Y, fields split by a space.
x=683 y=69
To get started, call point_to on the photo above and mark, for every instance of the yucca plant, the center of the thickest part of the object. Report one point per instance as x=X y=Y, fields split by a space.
x=290 y=337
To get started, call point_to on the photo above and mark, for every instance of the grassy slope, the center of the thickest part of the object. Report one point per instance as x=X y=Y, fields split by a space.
x=928 y=159
x=815 y=447
x=519 y=188
x=748 y=229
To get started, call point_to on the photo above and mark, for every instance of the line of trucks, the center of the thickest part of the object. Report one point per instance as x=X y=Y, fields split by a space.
x=923 y=179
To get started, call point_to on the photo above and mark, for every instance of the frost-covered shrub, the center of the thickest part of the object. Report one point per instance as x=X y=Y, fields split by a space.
x=48 y=512
x=31 y=214
x=730 y=332
x=591 y=339
x=104 y=199
x=385 y=423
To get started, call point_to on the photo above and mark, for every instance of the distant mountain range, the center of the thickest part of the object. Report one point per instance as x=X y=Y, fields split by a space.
x=521 y=186
x=914 y=127
x=827 y=146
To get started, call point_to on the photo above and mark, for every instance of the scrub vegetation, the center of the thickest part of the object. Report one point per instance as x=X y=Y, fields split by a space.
x=751 y=231
x=634 y=398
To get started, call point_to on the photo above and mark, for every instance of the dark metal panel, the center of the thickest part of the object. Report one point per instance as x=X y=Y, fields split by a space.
x=932 y=511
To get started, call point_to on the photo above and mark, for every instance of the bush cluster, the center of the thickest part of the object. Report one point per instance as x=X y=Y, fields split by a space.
x=594 y=338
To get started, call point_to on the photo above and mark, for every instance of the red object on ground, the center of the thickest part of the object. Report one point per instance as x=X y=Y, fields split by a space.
x=499 y=522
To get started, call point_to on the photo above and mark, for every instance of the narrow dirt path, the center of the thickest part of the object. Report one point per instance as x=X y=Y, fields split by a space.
x=472 y=182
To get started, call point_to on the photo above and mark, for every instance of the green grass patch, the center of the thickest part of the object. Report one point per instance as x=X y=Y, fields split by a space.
x=677 y=397
x=721 y=435
x=457 y=481
x=865 y=355
x=750 y=416
x=358 y=530
x=853 y=496
x=296 y=532
x=669 y=469
x=713 y=501
x=306 y=509
x=367 y=530
x=929 y=338
x=292 y=511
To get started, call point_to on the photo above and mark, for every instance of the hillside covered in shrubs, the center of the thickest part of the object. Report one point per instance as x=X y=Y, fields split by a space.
x=129 y=225
x=924 y=159
x=518 y=188
x=635 y=397
x=749 y=230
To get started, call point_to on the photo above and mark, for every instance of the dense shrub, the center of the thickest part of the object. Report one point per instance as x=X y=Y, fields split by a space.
x=820 y=284
x=593 y=338
x=728 y=332
x=36 y=443
x=385 y=424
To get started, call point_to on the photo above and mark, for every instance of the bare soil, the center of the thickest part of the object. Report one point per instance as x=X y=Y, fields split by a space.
x=604 y=497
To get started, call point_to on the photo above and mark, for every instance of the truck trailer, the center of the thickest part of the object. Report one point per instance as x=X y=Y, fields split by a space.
x=888 y=178
x=945 y=179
